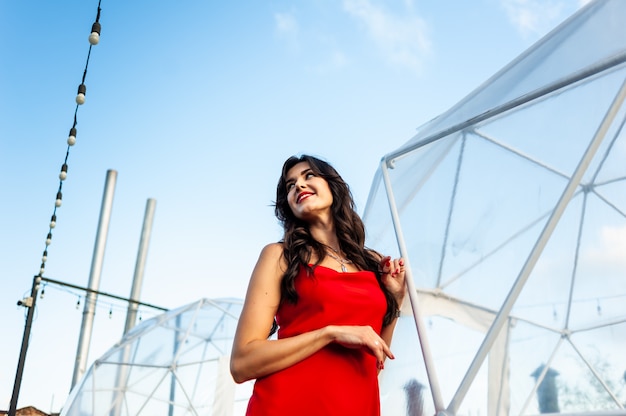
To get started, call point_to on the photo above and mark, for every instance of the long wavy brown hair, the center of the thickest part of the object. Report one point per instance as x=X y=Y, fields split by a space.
x=299 y=244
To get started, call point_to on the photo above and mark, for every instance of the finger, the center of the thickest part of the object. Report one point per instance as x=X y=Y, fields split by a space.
x=398 y=267
x=385 y=264
x=384 y=353
x=383 y=350
x=395 y=267
x=387 y=351
x=378 y=352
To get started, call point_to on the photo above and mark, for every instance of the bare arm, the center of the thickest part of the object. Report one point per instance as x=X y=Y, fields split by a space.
x=253 y=355
x=387 y=332
x=394 y=279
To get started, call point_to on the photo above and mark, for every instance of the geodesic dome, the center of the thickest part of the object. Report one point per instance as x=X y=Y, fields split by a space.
x=176 y=363
x=510 y=209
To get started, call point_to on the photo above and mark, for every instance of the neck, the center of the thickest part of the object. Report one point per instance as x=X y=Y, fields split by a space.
x=325 y=234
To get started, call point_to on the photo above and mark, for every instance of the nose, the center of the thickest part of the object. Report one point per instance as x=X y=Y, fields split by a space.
x=300 y=183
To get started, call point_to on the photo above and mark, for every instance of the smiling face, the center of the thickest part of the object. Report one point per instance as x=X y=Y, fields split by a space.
x=308 y=194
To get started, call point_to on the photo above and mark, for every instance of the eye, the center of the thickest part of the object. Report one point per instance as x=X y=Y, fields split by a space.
x=289 y=186
x=309 y=175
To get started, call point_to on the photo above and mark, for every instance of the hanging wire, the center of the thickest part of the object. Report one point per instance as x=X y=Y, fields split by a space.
x=111 y=308
x=94 y=38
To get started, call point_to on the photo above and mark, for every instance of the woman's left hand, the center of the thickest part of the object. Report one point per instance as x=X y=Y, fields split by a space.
x=393 y=277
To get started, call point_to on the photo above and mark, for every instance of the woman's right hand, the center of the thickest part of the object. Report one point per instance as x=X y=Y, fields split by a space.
x=361 y=337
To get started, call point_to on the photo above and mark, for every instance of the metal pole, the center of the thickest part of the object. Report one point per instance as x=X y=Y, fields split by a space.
x=133 y=304
x=429 y=363
x=101 y=293
x=94 y=277
x=131 y=315
x=174 y=367
x=30 y=304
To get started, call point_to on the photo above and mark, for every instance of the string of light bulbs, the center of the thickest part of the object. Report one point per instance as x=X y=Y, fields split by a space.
x=94 y=39
x=115 y=305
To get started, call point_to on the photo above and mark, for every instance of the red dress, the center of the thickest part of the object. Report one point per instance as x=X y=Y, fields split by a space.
x=335 y=380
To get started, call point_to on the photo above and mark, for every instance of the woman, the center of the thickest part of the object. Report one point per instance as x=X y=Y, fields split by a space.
x=335 y=302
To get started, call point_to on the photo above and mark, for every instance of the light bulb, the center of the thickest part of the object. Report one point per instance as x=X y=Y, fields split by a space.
x=71 y=140
x=94 y=37
x=80 y=98
x=63 y=174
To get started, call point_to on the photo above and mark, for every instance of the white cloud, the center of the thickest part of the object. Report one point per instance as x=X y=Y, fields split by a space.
x=319 y=48
x=608 y=253
x=286 y=23
x=533 y=17
x=402 y=38
x=337 y=60
x=287 y=28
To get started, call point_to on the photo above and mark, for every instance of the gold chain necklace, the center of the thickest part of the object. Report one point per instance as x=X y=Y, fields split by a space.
x=341 y=261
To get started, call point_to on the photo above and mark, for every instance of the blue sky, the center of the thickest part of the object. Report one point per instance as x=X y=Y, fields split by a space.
x=197 y=104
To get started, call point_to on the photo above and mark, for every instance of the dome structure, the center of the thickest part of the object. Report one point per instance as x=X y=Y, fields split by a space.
x=510 y=209
x=176 y=363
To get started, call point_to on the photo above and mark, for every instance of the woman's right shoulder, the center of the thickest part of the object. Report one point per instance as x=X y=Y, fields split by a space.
x=273 y=253
x=274 y=250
